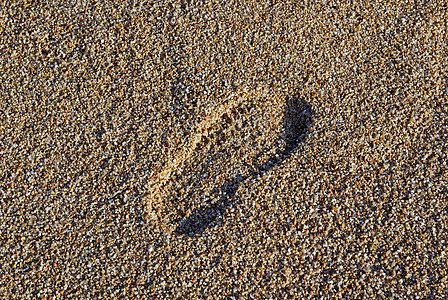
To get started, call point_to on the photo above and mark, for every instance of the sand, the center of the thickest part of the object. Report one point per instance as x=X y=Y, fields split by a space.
x=223 y=149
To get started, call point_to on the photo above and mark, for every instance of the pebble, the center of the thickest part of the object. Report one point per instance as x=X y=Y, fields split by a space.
x=98 y=99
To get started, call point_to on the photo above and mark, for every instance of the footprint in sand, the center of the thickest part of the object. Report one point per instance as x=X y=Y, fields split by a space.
x=247 y=136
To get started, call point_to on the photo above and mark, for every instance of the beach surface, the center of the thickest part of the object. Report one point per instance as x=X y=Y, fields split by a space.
x=224 y=149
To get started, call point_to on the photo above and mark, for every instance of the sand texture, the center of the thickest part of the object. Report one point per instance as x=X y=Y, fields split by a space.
x=223 y=149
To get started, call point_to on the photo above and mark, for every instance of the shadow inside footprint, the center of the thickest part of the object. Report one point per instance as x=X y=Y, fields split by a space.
x=297 y=120
x=206 y=215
